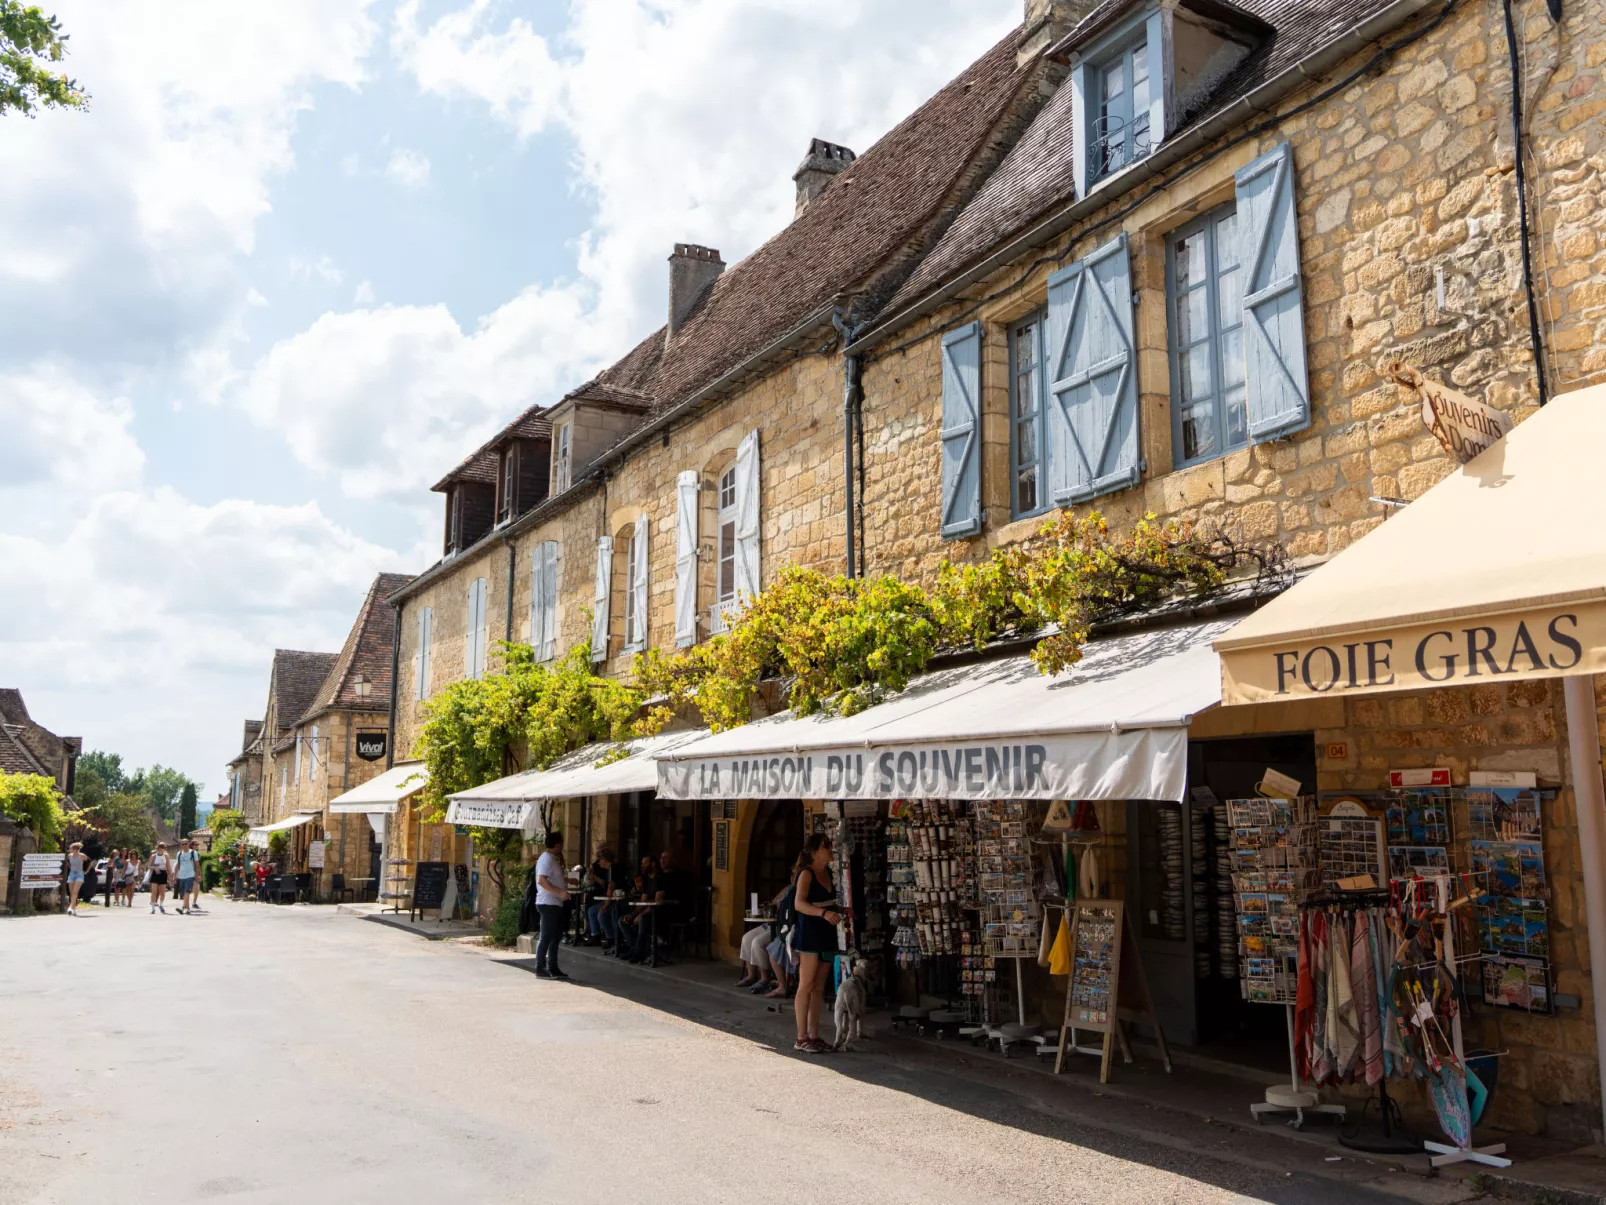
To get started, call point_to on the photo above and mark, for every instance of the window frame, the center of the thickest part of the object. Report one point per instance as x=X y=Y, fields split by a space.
x=1215 y=337
x=1098 y=68
x=725 y=515
x=1037 y=321
x=562 y=455
x=510 y=484
x=634 y=633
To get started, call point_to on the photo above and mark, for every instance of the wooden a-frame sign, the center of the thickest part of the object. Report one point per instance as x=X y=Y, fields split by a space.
x=1107 y=984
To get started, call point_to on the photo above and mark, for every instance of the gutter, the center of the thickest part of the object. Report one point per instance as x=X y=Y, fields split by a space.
x=593 y=473
x=1260 y=101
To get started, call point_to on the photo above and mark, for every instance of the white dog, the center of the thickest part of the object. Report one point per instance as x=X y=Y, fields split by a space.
x=852 y=995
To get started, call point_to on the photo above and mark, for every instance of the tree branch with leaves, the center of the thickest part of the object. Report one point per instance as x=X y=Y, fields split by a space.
x=30 y=43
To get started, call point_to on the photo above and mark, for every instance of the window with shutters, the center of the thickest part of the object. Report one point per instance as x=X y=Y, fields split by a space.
x=634 y=600
x=1027 y=442
x=474 y=637
x=1209 y=417
x=544 y=600
x=725 y=604
x=562 y=454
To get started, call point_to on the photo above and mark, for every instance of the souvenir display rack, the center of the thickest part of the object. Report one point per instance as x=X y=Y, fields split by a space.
x=930 y=878
x=1273 y=867
x=1010 y=914
x=1506 y=851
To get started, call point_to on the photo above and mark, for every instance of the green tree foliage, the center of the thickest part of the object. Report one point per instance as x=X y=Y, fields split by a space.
x=33 y=802
x=29 y=43
x=227 y=826
x=162 y=787
x=843 y=643
x=128 y=819
x=106 y=768
x=186 y=809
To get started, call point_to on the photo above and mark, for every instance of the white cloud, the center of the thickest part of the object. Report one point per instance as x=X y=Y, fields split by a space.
x=408 y=168
x=323 y=268
x=687 y=119
x=60 y=434
x=364 y=294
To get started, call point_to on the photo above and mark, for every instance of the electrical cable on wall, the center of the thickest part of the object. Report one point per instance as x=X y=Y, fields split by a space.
x=1534 y=336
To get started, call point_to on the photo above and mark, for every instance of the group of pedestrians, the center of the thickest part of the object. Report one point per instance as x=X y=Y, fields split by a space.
x=125 y=871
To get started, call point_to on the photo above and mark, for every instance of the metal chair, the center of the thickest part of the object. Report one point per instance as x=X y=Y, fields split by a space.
x=338 y=888
x=282 y=885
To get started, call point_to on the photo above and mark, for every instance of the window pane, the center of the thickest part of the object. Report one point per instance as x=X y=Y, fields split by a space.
x=1232 y=358
x=1193 y=316
x=1227 y=241
x=1140 y=65
x=727 y=489
x=1026 y=442
x=1198 y=431
x=1026 y=490
x=727 y=561
x=1193 y=369
x=1229 y=298
x=1237 y=420
x=1114 y=82
x=1192 y=264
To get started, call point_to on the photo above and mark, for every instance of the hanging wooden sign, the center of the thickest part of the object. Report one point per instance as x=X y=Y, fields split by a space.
x=1107 y=983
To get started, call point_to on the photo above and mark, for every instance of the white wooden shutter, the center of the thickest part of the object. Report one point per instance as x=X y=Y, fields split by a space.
x=747 y=516
x=1277 y=390
x=547 y=568
x=686 y=503
x=474 y=637
x=638 y=587
x=599 y=599
x=424 y=623
x=537 y=602
x=1092 y=372
x=961 y=431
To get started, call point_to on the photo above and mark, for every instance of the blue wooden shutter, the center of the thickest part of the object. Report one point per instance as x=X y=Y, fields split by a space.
x=1092 y=374
x=1277 y=390
x=961 y=431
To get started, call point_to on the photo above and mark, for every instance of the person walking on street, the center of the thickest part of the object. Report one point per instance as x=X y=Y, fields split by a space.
x=188 y=866
x=114 y=876
x=75 y=876
x=551 y=892
x=815 y=939
x=160 y=865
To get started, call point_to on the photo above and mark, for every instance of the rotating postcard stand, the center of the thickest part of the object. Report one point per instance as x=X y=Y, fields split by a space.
x=1296 y=1098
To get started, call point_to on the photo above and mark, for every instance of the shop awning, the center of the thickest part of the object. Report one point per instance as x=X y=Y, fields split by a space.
x=510 y=802
x=1114 y=727
x=381 y=795
x=259 y=836
x=1496 y=573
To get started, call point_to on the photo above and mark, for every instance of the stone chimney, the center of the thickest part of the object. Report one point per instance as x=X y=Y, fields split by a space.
x=1047 y=21
x=692 y=270
x=824 y=160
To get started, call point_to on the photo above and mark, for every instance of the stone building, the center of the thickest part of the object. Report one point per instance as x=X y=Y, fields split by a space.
x=28 y=747
x=1139 y=257
x=244 y=773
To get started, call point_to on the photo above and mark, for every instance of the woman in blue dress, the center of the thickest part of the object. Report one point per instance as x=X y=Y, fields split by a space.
x=815 y=938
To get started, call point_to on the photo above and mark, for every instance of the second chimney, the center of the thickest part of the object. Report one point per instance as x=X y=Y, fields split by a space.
x=692 y=270
x=824 y=161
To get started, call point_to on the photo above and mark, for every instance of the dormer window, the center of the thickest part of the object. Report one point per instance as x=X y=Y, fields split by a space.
x=1120 y=133
x=562 y=455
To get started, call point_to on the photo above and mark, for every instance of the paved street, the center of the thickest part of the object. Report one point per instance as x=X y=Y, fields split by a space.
x=296 y=1054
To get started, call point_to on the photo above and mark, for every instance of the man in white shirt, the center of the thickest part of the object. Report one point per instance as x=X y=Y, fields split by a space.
x=188 y=865
x=551 y=893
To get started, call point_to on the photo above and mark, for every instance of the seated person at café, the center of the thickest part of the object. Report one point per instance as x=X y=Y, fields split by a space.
x=600 y=919
x=758 y=972
x=641 y=926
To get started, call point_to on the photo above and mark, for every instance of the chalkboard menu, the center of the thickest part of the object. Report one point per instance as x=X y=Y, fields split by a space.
x=429 y=885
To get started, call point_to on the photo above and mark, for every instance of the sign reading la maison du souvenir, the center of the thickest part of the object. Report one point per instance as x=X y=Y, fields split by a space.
x=1546 y=642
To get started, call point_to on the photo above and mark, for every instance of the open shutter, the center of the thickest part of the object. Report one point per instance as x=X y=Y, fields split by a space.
x=747 y=551
x=548 y=648
x=1092 y=371
x=961 y=431
x=686 y=558
x=538 y=608
x=1277 y=391
x=599 y=599
x=638 y=587
x=473 y=643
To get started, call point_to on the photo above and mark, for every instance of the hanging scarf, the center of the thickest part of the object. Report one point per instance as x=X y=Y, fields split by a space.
x=1381 y=942
x=1304 y=1001
x=1321 y=1064
x=1342 y=1030
x=1363 y=980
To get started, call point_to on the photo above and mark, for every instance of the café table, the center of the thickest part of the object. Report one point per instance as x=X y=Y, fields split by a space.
x=653 y=958
x=358 y=885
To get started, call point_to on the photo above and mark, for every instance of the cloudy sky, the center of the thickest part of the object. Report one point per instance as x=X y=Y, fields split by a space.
x=302 y=255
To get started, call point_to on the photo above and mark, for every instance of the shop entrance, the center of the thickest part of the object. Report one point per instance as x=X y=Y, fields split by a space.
x=777 y=838
x=651 y=827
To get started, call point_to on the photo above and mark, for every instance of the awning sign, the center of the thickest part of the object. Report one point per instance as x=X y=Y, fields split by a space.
x=1140 y=763
x=489 y=814
x=1547 y=643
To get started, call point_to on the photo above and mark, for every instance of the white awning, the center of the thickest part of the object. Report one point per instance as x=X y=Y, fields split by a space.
x=382 y=794
x=572 y=776
x=259 y=835
x=1113 y=727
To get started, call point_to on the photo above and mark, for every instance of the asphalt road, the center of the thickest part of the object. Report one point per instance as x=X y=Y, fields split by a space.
x=294 y=1054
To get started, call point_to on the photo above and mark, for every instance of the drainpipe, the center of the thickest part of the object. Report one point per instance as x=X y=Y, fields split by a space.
x=850 y=405
x=512 y=558
x=395 y=668
x=1589 y=801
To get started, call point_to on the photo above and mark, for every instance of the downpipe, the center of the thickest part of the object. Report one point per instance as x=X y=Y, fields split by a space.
x=851 y=366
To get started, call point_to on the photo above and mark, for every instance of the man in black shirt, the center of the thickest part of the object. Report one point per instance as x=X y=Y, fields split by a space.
x=600 y=916
x=654 y=889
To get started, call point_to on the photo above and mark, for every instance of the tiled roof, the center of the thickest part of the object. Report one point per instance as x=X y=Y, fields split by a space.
x=837 y=245
x=366 y=653
x=15 y=757
x=599 y=390
x=480 y=464
x=1036 y=177
x=297 y=678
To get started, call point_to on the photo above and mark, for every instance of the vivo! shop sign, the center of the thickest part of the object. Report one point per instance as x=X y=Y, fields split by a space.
x=1449 y=652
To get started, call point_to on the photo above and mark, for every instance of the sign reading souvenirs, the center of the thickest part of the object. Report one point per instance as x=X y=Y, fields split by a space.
x=1073 y=766
x=371 y=745
x=1463 y=425
x=489 y=813
x=1546 y=643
